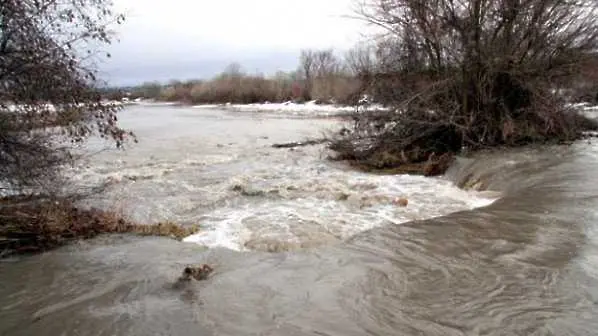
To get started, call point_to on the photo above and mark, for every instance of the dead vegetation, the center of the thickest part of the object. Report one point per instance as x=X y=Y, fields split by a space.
x=470 y=74
x=31 y=225
x=47 y=97
x=49 y=103
x=321 y=75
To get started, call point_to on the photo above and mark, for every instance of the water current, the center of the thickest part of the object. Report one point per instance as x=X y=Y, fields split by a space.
x=305 y=246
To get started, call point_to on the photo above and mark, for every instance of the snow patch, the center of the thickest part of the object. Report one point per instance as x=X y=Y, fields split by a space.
x=290 y=107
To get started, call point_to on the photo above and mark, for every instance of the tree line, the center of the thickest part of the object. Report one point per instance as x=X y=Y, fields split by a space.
x=321 y=75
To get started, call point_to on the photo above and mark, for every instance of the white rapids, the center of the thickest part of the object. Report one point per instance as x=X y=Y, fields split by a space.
x=217 y=169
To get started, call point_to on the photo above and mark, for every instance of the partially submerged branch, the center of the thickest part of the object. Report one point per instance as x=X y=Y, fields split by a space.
x=300 y=143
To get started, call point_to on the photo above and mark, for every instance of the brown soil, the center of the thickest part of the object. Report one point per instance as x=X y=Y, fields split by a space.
x=434 y=166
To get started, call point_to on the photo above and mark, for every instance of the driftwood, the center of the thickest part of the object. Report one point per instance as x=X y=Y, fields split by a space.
x=300 y=143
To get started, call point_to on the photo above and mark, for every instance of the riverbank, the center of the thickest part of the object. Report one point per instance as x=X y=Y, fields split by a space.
x=30 y=225
x=392 y=142
x=288 y=107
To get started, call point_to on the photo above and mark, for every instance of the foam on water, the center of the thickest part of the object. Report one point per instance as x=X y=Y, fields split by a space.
x=249 y=195
x=299 y=200
x=334 y=207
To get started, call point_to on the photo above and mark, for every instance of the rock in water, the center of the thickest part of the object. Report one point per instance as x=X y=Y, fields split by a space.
x=198 y=273
x=400 y=201
x=193 y=272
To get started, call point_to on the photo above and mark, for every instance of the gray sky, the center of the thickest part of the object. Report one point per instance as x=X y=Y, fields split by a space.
x=183 y=39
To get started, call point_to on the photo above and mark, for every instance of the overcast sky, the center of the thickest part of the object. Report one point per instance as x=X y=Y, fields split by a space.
x=183 y=39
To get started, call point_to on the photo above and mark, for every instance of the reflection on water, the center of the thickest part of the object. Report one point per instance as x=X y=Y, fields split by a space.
x=523 y=265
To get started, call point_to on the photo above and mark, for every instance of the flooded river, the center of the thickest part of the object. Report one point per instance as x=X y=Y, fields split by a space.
x=305 y=246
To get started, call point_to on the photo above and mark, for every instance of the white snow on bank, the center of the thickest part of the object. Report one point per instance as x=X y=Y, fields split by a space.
x=590 y=108
x=49 y=107
x=311 y=108
x=289 y=107
x=152 y=103
x=583 y=106
x=308 y=108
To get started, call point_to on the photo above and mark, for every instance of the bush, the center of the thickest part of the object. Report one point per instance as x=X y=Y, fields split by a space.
x=324 y=79
x=475 y=74
x=48 y=94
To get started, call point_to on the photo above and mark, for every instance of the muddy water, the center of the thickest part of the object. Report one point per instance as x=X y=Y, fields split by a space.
x=218 y=169
x=523 y=265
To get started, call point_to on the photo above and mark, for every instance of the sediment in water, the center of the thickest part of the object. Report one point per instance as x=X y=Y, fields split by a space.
x=514 y=267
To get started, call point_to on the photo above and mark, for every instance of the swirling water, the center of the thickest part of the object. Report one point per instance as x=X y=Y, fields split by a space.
x=294 y=256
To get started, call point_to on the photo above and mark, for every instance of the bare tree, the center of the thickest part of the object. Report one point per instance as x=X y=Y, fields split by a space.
x=319 y=69
x=326 y=64
x=48 y=79
x=307 y=70
x=361 y=60
x=233 y=70
x=478 y=72
x=148 y=90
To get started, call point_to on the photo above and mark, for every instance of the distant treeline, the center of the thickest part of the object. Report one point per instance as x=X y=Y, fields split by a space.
x=321 y=75
x=324 y=76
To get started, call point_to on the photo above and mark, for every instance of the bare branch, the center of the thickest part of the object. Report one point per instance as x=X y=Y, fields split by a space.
x=47 y=86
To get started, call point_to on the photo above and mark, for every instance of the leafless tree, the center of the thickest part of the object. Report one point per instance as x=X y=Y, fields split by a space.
x=479 y=72
x=148 y=90
x=328 y=73
x=47 y=86
x=320 y=69
x=233 y=70
x=361 y=60
x=326 y=64
x=307 y=70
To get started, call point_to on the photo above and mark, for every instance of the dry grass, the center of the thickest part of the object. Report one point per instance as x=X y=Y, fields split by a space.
x=246 y=89
x=37 y=226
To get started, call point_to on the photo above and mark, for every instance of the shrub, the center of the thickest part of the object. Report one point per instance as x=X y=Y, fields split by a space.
x=472 y=74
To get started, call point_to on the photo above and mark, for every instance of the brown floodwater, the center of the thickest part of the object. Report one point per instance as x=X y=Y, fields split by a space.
x=526 y=264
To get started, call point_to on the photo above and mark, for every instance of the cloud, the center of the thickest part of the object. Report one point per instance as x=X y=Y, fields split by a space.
x=131 y=73
x=205 y=35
